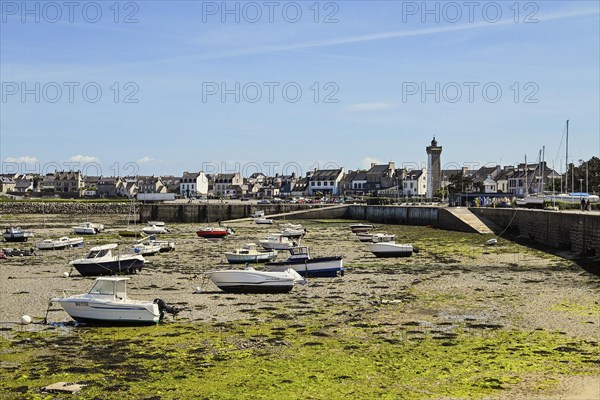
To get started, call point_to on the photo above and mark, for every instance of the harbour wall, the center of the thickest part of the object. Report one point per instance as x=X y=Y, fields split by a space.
x=205 y=213
x=434 y=216
x=75 y=207
x=576 y=231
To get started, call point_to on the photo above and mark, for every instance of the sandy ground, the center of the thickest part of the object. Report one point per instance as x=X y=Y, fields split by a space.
x=522 y=290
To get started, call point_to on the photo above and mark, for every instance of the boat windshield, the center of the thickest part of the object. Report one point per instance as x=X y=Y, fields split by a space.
x=120 y=290
x=97 y=253
x=103 y=287
x=299 y=251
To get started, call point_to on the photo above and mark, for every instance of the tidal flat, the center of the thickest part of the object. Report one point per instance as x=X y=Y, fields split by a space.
x=458 y=320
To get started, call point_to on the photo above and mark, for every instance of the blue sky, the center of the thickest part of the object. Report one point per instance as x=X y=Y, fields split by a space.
x=138 y=88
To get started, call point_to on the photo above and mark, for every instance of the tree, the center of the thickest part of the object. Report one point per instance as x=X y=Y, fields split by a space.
x=589 y=173
x=459 y=183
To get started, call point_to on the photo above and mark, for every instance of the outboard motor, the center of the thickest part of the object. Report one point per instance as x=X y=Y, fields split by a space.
x=162 y=307
x=415 y=249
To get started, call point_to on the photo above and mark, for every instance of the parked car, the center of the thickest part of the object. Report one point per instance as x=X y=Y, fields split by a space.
x=263 y=202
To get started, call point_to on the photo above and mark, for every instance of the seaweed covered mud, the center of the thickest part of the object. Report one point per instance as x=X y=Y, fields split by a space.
x=458 y=320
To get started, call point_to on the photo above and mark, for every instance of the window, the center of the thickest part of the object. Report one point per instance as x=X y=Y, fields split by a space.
x=331 y=183
x=319 y=183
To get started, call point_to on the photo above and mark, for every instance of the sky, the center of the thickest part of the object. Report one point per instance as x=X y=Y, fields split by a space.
x=162 y=87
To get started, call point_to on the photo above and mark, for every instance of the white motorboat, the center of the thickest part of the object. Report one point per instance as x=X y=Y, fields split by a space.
x=101 y=261
x=15 y=234
x=107 y=303
x=249 y=280
x=392 y=249
x=156 y=223
x=60 y=243
x=293 y=233
x=361 y=227
x=145 y=248
x=250 y=254
x=263 y=221
x=277 y=242
x=155 y=229
x=164 y=245
x=375 y=237
x=88 y=228
x=301 y=261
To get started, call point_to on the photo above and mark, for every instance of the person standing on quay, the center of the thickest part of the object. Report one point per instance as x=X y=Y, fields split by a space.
x=582 y=204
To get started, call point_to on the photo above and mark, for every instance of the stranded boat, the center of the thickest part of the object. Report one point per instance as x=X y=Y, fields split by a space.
x=301 y=261
x=107 y=303
x=101 y=261
x=249 y=280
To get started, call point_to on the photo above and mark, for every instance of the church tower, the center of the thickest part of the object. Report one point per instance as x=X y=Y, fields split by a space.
x=434 y=168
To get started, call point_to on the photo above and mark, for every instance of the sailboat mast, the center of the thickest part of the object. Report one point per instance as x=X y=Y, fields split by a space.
x=526 y=191
x=567 y=161
x=543 y=169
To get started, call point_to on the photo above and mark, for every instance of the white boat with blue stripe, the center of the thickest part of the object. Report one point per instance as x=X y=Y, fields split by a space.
x=107 y=303
x=307 y=266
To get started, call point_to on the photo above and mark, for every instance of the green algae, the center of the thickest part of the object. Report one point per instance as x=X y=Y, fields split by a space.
x=582 y=310
x=272 y=360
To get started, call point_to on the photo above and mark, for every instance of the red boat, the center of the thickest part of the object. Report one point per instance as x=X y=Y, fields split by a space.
x=213 y=233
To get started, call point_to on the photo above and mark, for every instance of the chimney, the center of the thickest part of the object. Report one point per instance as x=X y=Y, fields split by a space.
x=373 y=165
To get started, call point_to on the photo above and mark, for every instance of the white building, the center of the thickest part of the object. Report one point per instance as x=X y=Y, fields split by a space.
x=415 y=183
x=325 y=181
x=193 y=184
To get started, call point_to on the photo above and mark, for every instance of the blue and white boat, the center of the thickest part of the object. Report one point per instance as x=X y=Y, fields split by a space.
x=307 y=266
x=101 y=261
x=15 y=234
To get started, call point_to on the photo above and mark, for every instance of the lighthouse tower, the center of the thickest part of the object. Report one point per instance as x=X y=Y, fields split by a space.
x=434 y=168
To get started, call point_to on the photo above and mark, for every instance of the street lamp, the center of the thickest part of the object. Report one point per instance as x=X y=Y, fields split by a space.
x=580 y=185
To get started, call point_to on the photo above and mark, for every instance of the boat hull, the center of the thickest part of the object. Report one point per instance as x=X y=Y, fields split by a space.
x=321 y=267
x=124 y=265
x=212 y=234
x=60 y=244
x=384 y=250
x=85 y=231
x=249 y=258
x=15 y=238
x=243 y=281
x=110 y=313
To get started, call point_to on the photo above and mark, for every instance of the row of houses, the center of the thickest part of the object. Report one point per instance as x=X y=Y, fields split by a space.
x=380 y=179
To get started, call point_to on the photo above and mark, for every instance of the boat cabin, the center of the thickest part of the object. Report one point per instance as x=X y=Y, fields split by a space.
x=101 y=251
x=110 y=287
x=299 y=252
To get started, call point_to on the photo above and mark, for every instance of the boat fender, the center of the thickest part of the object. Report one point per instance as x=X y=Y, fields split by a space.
x=415 y=249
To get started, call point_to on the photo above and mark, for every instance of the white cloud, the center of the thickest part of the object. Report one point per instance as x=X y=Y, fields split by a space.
x=23 y=159
x=84 y=159
x=366 y=162
x=368 y=107
x=145 y=160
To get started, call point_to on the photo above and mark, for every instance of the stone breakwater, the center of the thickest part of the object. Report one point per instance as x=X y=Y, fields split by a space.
x=24 y=207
